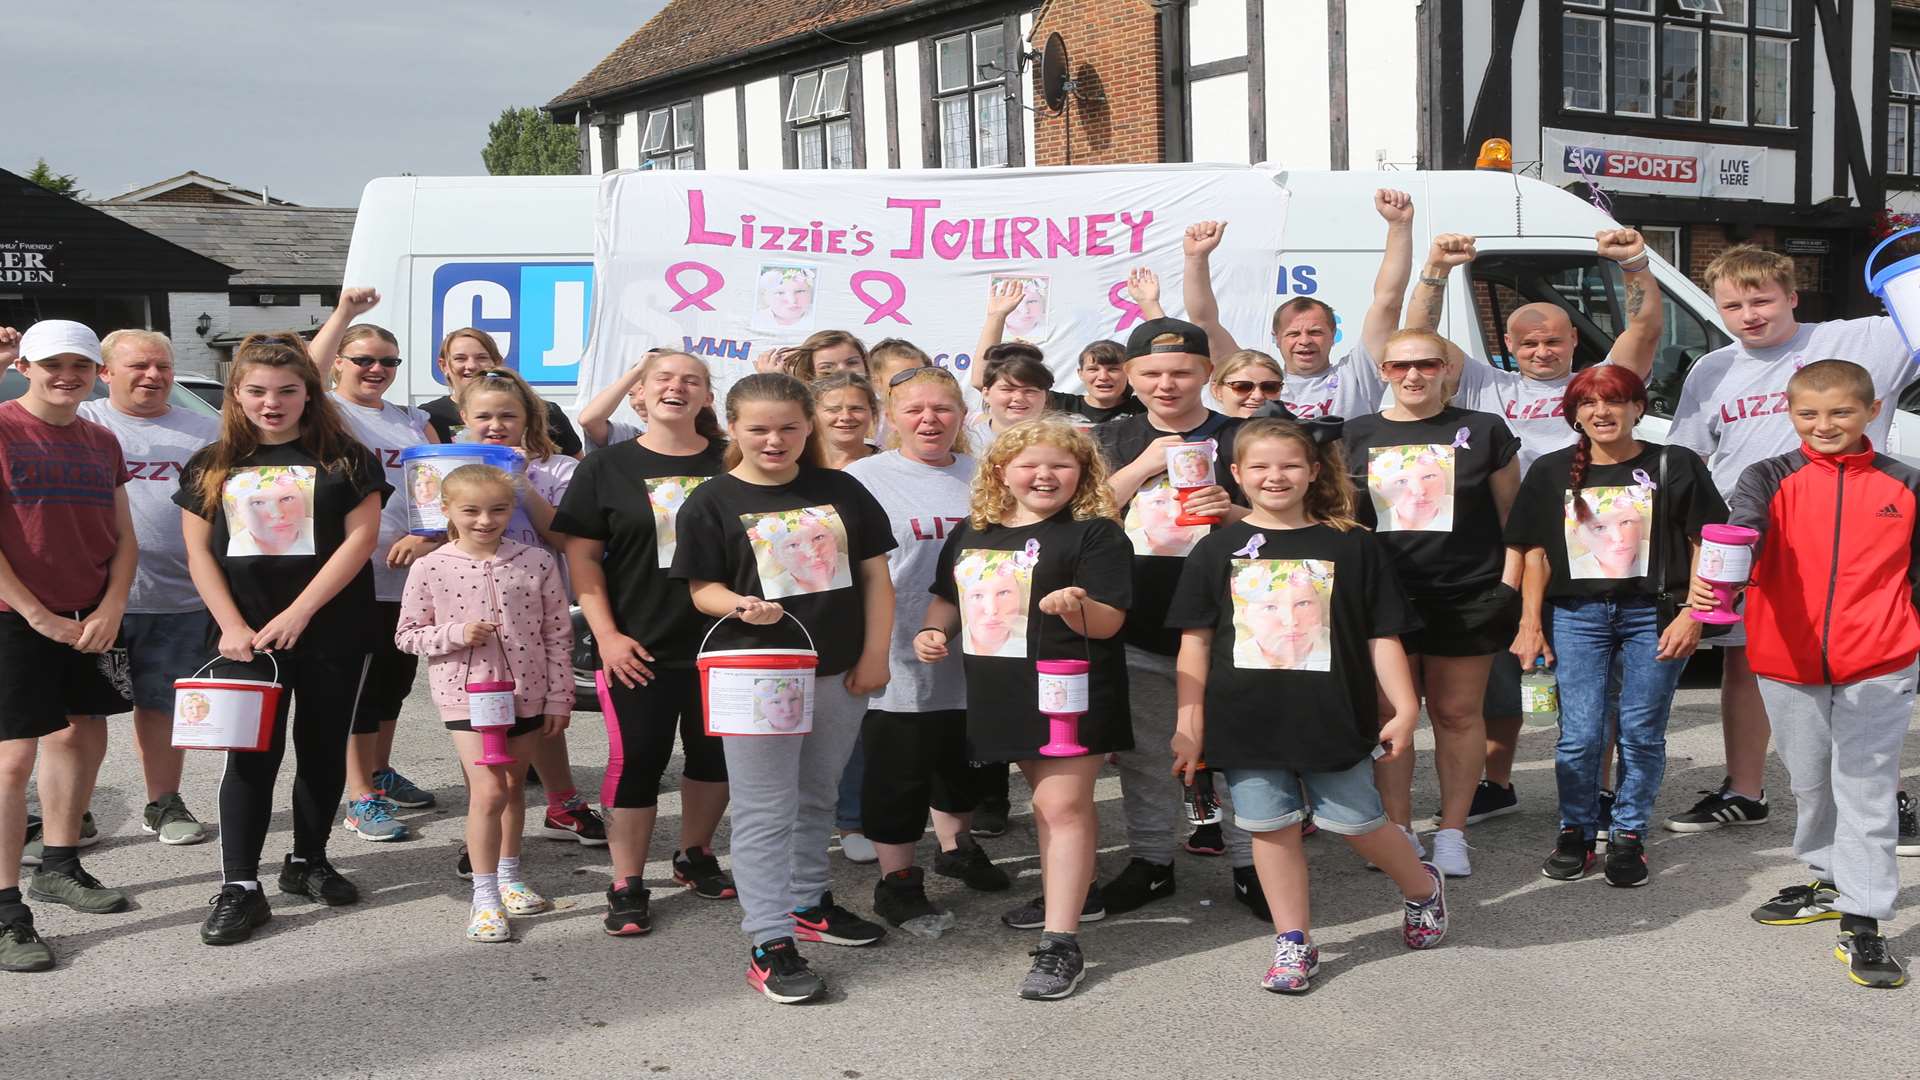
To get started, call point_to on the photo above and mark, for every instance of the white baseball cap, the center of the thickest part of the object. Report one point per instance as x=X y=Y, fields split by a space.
x=49 y=338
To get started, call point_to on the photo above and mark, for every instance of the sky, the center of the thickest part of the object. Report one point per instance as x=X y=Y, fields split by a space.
x=310 y=103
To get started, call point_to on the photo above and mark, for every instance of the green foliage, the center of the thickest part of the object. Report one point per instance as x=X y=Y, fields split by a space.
x=524 y=142
x=58 y=183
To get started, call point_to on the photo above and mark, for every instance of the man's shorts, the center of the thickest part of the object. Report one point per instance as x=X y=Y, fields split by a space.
x=1344 y=802
x=42 y=682
x=162 y=648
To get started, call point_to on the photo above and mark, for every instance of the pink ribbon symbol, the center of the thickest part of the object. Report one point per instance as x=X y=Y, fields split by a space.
x=693 y=299
x=1129 y=311
x=890 y=307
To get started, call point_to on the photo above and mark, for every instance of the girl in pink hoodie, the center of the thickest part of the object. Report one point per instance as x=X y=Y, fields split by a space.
x=485 y=609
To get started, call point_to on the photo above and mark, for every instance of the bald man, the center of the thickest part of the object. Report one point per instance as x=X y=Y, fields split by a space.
x=1541 y=340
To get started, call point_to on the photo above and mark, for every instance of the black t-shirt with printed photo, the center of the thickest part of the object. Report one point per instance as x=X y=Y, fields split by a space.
x=1423 y=487
x=1290 y=679
x=1157 y=542
x=1633 y=510
x=630 y=498
x=1078 y=405
x=997 y=578
x=282 y=516
x=799 y=544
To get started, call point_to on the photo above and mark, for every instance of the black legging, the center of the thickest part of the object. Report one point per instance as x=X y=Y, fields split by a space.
x=327 y=686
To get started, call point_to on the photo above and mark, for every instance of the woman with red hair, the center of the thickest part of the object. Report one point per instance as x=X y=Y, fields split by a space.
x=1610 y=527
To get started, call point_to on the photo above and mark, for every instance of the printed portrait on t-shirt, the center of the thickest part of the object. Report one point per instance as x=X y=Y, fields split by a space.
x=1029 y=320
x=783 y=299
x=779 y=704
x=799 y=551
x=1282 y=614
x=995 y=589
x=666 y=494
x=269 y=510
x=1152 y=521
x=1412 y=487
x=1612 y=538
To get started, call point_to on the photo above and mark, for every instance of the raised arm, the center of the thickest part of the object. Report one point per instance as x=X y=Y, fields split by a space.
x=1430 y=292
x=597 y=411
x=1396 y=268
x=354 y=302
x=1002 y=297
x=1646 y=316
x=1143 y=286
x=1196 y=284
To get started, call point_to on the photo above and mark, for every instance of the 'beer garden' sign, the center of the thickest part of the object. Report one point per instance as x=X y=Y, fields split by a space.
x=29 y=262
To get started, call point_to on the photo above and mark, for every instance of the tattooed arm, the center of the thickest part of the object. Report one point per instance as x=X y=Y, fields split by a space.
x=1430 y=292
x=1646 y=314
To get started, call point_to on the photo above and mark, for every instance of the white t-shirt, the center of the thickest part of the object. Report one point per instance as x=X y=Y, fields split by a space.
x=156 y=450
x=1534 y=409
x=1733 y=408
x=386 y=431
x=1350 y=386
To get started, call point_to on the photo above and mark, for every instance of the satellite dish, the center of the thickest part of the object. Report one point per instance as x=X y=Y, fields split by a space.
x=1054 y=83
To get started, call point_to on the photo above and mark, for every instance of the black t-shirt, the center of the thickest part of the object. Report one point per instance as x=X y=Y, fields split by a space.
x=997 y=578
x=283 y=515
x=1290 y=683
x=1158 y=543
x=630 y=497
x=1612 y=552
x=1422 y=485
x=444 y=415
x=1077 y=405
x=800 y=544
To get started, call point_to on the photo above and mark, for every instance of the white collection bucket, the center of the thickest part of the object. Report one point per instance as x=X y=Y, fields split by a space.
x=1897 y=284
x=225 y=714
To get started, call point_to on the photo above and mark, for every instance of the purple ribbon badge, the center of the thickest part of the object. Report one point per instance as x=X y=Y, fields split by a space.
x=1252 y=548
x=1460 y=439
x=1640 y=477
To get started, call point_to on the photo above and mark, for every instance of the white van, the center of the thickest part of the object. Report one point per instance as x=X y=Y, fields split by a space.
x=514 y=256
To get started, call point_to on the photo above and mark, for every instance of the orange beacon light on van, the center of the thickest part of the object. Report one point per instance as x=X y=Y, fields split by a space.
x=1496 y=155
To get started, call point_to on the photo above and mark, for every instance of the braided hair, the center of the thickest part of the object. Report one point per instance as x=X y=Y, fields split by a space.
x=1602 y=382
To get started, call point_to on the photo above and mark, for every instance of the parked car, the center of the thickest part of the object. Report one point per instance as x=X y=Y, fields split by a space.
x=205 y=387
x=13 y=384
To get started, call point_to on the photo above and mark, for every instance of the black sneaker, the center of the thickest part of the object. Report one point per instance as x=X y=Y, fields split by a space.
x=777 y=970
x=901 y=899
x=990 y=818
x=699 y=870
x=237 y=912
x=1605 y=831
x=1247 y=890
x=1057 y=969
x=1908 y=842
x=21 y=948
x=1868 y=961
x=316 y=879
x=1490 y=800
x=1140 y=884
x=1720 y=807
x=970 y=863
x=1797 y=905
x=1032 y=915
x=835 y=925
x=1207 y=840
x=463 y=868
x=1572 y=856
x=1626 y=860
x=627 y=914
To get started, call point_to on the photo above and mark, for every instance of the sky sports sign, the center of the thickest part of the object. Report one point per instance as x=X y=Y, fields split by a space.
x=1655 y=166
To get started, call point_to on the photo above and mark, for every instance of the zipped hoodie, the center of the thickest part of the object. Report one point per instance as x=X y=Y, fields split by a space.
x=520 y=590
x=1833 y=589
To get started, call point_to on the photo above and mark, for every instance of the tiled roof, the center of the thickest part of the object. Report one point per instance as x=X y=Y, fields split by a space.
x=265 y=245
x=688 y=33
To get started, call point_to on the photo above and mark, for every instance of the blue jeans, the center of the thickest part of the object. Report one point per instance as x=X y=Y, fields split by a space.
x=1587 y=637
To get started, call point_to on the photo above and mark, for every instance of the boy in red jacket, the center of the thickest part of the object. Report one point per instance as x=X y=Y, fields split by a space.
x=1833 y=634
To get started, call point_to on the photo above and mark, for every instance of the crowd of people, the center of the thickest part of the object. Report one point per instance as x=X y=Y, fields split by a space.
x=1268 y=566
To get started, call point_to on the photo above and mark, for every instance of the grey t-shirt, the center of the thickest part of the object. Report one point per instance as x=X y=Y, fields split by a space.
x=1733 y=408
x=1534 y=409
x=1350 y=386
x=924 y=506
x=386 y=431
x=156 y=450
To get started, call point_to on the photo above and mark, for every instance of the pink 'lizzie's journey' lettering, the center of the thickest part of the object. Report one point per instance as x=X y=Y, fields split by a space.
x=1129 y=311
x=698 y=298
x=882 y=309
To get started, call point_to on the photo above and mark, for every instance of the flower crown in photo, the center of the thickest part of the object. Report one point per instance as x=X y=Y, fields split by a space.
x=768 y=689
x=772 y=527
x=981 y=565
x=1607 y=499
x=775 y=276
x=1258 y=579
x=267 y=478
x=1398 y=459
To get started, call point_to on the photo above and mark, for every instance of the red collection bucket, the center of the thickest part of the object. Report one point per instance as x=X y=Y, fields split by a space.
x=767 y=691
x=225 y=714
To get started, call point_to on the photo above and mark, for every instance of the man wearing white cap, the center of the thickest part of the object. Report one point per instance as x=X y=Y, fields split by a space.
x=67 y=557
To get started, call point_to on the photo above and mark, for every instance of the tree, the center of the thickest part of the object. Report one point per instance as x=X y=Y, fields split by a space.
x=524 y=142
x=58 y=183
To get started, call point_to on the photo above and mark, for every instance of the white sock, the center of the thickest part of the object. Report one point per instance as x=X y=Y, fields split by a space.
x=250 y=886
x=486 y=892
x=510 y=870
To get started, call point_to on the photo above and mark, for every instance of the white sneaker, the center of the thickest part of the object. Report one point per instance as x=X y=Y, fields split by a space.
x=857 y=848
x=1413 y=838
x=1450 y=849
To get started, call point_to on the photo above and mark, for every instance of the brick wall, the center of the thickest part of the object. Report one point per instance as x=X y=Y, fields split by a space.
x=1113 y=49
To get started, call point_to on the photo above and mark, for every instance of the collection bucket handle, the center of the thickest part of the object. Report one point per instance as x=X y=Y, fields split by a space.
x=217 y=658
x=735 y=615
x=1867 y=269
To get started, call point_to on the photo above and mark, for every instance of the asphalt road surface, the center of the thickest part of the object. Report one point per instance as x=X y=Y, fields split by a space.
x=1538 y=979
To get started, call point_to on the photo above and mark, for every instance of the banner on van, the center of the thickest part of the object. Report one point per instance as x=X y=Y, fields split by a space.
x=729 y=265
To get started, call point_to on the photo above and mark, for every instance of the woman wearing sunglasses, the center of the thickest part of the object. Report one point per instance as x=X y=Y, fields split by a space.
x=1436 y=482
x=1247 y=380
x=365 y=364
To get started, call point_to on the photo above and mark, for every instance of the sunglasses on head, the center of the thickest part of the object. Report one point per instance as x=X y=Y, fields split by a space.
x=1426 y=365
x=1269 y=387
x=907 y=373
x=369 y=361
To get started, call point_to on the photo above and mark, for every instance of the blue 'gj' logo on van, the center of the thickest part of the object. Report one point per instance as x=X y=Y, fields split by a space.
x=536 y=311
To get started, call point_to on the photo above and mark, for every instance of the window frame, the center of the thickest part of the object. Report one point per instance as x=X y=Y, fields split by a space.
x=1601 y=87
x=816 y=130
x=1900 y=109
x=670 y=154
x=1652 y=31
x=1694 y=39
x=938 y=92
x=1743 y=41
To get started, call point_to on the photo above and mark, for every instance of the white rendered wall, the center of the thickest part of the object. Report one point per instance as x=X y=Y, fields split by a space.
x=720 y=130
x=1298 y=127
x=1220 y=118
x=764 y=121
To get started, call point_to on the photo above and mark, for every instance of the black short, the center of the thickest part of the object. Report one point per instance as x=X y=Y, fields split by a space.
x=640 y=724
x=1474 y=624
x=525 y=725
x=42 y=682
x=914 y=761
x=389 y=677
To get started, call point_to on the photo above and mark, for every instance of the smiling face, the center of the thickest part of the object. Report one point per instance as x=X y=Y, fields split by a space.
x=1010 y=401
x=1306 y=341
x=365 y=385
x=273 y=400
x=1190 y=467
x=1832 y=421
x=771 y=435
x=61 y=381
x=478 y=513
x=1760 y=316
x=673 y=391
x=496 y=417
x=926 y=414
x=1043 y=479
x=466 y=357
x=837 y=358
x=1242 y=392
x=139 y=377
x=845 y=417
x=1275 y=474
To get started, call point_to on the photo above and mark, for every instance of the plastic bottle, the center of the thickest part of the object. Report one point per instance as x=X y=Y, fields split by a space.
x=1540 y=695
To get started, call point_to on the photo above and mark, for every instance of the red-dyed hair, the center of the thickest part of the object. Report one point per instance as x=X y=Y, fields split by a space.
x=1601 y=382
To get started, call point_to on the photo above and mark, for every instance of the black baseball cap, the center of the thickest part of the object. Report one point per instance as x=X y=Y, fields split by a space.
x=1192 y=338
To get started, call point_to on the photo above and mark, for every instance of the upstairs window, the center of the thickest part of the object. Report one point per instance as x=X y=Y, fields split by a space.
x=668 y=137
x=1718 y=62
x=1903 y=103
x=818 y=116
x=970 y=98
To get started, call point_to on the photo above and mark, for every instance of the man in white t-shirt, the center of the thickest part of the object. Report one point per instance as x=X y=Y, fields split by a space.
x=1733 y=412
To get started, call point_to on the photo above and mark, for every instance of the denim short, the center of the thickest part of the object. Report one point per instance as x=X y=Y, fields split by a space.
x=162 y=648
x=1344 y=802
